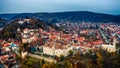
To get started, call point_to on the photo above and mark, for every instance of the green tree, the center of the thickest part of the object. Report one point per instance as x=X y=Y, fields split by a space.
x=62 y=57
x=68 y=65
x=46 y=65
x=71 y=52
x=41 y=62
x=99 y=59
x=117 y=62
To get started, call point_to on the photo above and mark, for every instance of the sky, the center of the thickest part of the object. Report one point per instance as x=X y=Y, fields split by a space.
x=33 y=6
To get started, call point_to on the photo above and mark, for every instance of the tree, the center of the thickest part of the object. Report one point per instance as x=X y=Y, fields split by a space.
x=18 y=36
x=81 y=65
x=41 y=62
x=68 y=65
x=94 y=57
x=77 y=56
x=61 y=57
x=46 y=65
x=71 y=52
x=117 y=61
x=99 y=59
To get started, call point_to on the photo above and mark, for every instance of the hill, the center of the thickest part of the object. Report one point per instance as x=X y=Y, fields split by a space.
x=22 y=15
x=10 y=31
x=118 y=15
x=76 y=16
x=71 y=16
x=3 y=22
x=7 y=16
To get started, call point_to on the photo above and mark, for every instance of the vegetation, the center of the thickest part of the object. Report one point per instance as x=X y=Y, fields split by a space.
x=71 y=52
x=99 y=59
x=10 y=31
x=76 y=16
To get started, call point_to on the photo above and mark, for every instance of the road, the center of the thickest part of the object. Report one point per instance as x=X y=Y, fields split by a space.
x=103 y=35
x=41 y=57
x=85 y=47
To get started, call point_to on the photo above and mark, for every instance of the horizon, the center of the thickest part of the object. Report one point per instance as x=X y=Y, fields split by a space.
x=51 y=6
x=59 y=12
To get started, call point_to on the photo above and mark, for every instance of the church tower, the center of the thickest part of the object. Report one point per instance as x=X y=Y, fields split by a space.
x=53 y=47
x=114 y=41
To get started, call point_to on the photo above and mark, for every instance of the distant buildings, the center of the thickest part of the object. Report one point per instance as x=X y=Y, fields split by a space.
x=29 y=35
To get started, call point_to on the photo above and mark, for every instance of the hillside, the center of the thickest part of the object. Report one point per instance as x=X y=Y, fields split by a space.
x=3 y=22
x=7 y=16
x=118 y=15
x=77 y=17
x=22 y=15
x=10 y=31
x=73 y=16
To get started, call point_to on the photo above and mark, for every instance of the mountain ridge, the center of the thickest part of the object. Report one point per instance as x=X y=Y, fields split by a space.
x=70 y=16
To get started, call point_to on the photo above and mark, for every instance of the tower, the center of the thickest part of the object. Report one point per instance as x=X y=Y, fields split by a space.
x=53 y=47
x=114 y=41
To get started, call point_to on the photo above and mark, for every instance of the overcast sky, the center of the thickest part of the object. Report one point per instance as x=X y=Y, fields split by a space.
x=24 y=6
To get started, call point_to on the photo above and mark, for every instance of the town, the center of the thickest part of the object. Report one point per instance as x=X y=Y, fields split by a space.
x=67 y=40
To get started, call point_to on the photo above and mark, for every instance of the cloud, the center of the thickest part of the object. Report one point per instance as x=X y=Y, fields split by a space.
x=12 y=6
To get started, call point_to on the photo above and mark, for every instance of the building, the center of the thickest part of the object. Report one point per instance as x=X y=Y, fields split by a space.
x=57 y=52
x=109 y=47
x=29 y=35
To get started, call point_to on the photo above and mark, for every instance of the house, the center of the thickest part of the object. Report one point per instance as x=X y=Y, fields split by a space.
x=29 y=35
x=24 y=54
